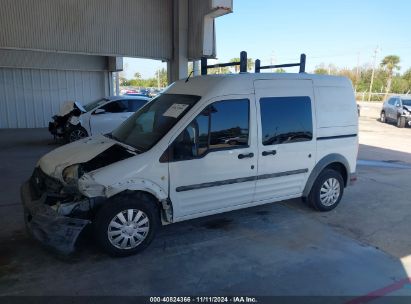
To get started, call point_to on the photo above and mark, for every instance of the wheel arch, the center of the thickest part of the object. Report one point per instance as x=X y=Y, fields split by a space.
x=332 y=161
x=149 y=188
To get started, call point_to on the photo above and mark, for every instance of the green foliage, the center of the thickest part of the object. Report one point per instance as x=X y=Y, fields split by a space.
x=385 y=79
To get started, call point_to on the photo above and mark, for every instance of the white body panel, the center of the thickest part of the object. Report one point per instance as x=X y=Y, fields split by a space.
x=214 y=167
x=289 y=157
x=334 y=132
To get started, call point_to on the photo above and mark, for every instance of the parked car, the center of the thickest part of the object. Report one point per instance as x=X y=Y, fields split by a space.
x=172 y=160
x=397 y=109
x=101 y=116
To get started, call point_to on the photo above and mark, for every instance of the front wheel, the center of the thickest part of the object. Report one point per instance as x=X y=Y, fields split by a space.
x=401 y=122
x=127 y=224
x=76 y=133
x=327 y=190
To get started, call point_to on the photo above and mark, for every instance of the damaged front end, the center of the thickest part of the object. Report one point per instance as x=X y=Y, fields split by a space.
x=69 y=115
x=56 y=210
x=53 y=217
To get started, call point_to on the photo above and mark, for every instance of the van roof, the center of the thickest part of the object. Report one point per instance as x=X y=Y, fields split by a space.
x=228 y=84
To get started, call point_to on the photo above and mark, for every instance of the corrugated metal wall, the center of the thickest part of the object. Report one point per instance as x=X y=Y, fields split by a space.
x=133 y=28
x=197 y=9
x=29 y=97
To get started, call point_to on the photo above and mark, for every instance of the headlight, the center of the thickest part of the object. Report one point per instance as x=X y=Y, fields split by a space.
x=74 y=120
x=71 y=174
x=88 y=187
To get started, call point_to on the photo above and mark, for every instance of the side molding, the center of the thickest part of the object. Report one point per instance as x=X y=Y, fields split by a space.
x=324 y=162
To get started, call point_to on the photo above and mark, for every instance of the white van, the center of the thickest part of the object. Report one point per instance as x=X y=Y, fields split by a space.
x=204 y=146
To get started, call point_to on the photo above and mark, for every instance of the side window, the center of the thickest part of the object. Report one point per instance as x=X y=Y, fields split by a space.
x=398 y=102
x=286 y=120
x=135 y=104
x=117 y=106
x=221 y=125
x=391 y=101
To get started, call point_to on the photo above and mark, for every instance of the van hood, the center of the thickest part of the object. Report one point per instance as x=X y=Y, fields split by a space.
x=81 y=151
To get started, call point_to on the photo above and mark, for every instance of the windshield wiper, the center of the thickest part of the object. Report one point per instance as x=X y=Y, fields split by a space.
x=136 y=149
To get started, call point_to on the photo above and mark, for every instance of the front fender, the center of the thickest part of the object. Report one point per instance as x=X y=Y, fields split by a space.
x=137 y=184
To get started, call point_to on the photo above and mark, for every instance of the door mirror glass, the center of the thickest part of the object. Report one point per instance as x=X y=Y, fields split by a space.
x=99 y=111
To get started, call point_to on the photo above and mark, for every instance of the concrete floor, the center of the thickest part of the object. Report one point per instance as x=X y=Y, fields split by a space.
x=277 y=249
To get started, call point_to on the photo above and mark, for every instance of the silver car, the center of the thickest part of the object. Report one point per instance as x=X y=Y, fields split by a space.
x=397 y=109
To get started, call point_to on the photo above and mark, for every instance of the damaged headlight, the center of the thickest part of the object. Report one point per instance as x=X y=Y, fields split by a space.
x=88 y=187
x=71 y=174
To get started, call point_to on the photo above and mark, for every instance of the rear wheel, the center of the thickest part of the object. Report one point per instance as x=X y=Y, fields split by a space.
x=76 y=133
x=383 y=118
x=327 y=190
x=401 y=122
x=127 y=224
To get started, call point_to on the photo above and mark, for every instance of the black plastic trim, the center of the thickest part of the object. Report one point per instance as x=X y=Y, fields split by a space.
x=239 y=180
x=337 y=137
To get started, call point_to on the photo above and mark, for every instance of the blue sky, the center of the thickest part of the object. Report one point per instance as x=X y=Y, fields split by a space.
x=336 y=32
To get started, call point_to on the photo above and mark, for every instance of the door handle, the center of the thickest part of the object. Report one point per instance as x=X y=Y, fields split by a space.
x=272 y=152
x=249 y=155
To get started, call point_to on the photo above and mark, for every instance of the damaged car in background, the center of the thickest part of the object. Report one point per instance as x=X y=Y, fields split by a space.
x=75 y=121
x=397 y=109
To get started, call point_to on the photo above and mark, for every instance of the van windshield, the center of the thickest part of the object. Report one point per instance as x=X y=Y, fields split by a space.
x=148 y=125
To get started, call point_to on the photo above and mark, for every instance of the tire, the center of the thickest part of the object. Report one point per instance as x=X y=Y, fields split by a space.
x=116 y=235
x=401 y=122
x=383 y=118
x=318 y=198
x=76 y=133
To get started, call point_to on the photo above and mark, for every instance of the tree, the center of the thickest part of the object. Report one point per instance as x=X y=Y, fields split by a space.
x=137 y=76
x=390 y=64
x=250 y=64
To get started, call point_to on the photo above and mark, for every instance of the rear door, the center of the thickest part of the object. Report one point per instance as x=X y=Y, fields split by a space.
x=286 y=144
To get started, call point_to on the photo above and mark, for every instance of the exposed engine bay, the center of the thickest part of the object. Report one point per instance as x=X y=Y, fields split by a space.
x=61 y=122
x=57 y=211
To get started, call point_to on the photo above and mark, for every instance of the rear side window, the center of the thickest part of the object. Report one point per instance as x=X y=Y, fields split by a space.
x=286 y=120
x=221 y=125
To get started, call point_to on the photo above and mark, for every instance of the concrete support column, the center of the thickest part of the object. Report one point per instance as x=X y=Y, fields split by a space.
x=177 y=68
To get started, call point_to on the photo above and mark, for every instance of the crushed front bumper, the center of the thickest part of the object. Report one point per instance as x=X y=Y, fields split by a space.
x=45 y=225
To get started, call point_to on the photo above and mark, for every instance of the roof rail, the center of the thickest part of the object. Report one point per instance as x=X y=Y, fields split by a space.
x=242 y=63
x=301 y=64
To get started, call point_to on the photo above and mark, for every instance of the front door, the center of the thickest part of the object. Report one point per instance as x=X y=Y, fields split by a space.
x=213 y=161
x=112 y=115
x=286 y=144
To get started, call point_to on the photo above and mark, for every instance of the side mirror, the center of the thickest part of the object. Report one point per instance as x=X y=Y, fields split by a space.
x=398 y=105
x=99 y=111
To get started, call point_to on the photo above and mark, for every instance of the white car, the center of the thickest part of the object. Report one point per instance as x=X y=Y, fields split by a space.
x=102 y=116
x=171 y=161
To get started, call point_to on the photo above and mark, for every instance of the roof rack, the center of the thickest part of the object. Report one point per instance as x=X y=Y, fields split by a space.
x=301 y=64
x=242 y=63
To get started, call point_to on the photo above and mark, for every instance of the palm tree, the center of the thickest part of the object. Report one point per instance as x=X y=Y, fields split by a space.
x=250 y=64
x=390 y=63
